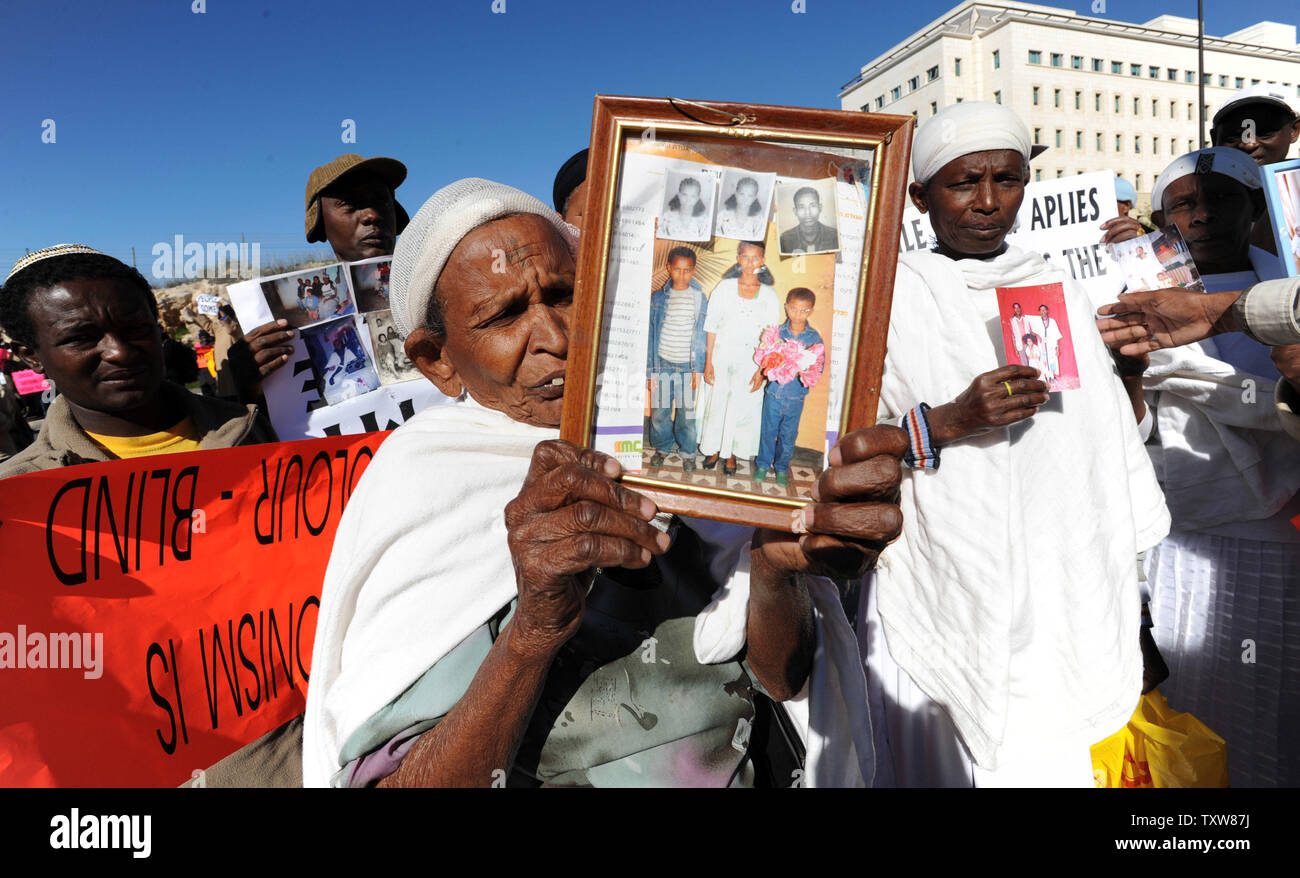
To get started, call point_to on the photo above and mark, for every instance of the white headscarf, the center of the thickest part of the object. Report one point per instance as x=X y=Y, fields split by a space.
x=449 y=215
x=961 y=129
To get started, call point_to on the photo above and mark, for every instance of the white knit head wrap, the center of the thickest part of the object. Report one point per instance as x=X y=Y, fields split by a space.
x=452 y=213
x=1215 y=160
x=961 y=129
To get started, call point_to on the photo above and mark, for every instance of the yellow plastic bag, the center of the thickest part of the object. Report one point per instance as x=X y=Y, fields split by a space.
x=1161 y=747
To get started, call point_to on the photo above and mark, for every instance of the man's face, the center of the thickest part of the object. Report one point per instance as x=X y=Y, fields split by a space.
x=973 y=200
x=360 y=216
x=1124 y=207
x=1263 y=131
x=99 y=343
x=1042 y=312
x=808 y=208
x=1214 y=214
x=681 y=271
x=507 y=338
x=574 y=207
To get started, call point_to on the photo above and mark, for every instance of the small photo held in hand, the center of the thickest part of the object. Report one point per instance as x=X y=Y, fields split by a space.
x=1036 y=333
x=807 y=214
x=745 y=206
x=370 y=283
x=389 y=348
x=1157 y=260
x=687 y=211
x=342 y=366
x=309 y=296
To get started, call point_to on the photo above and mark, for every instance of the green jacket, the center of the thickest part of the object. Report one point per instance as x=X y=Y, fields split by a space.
x=62 y=442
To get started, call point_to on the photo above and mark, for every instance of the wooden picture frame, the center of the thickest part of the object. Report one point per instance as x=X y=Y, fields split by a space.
x=624 y=260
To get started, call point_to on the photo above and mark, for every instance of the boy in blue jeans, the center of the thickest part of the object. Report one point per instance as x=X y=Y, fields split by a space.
x=791 y=371
x=675 y=359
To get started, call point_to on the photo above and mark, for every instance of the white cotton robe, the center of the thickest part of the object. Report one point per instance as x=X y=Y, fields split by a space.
x=1011 y=599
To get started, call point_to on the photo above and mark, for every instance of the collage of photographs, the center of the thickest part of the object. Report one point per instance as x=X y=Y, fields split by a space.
x=740 y=330
x=329 y=306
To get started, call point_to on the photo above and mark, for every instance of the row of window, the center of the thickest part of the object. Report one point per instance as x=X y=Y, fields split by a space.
x=1117 y=100
x=1076 y=62
x=1174 y=148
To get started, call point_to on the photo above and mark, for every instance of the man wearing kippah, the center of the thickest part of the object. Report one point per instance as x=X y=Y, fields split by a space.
x=351 y=202
x=1227 y=572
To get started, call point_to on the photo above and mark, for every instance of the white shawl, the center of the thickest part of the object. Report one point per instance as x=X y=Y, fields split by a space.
x=1011 y=597
x=421 y=560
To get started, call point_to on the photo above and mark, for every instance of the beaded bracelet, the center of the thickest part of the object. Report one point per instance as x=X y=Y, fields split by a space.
x=921 y=454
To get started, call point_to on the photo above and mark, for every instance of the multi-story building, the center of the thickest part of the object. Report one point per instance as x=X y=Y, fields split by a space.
x=1099 y=93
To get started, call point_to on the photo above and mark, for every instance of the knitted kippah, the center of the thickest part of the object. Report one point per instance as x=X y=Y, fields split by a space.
x=49 y=253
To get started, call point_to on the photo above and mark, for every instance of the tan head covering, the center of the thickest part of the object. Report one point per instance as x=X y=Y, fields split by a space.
x=391 y=171
x=49 y=253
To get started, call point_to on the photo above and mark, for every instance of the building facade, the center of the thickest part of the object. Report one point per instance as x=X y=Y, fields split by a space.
x=1099 y=93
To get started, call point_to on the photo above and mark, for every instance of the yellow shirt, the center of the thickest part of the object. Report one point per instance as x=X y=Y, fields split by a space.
x=179 y=437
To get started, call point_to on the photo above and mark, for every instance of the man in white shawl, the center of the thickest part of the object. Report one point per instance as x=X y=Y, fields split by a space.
x=1001 y=630
x=468 y=635
x=1224 y=582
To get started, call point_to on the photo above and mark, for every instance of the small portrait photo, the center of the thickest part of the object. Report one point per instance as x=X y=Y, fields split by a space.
x=309 y=296
x=342 y=366
x=389 y=348
x=1288 y=228
x=745 y=205
x=1036 y=332
x=370 y=283
x=1157 y=260
x=687 y=210
x=807 y=214
x=736 y=397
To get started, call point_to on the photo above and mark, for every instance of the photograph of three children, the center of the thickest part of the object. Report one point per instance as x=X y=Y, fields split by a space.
x=739 y=342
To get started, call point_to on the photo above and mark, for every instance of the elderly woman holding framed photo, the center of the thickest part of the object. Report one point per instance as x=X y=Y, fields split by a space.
x=499 y=610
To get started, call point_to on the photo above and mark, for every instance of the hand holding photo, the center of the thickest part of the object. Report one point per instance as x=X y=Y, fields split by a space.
x=1036 y=333
x=1156 y=261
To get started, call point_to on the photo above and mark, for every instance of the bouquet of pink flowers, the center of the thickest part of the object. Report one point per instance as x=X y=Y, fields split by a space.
x=783 y=361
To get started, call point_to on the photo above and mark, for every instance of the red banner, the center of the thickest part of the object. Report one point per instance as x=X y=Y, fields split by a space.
x=157 y=614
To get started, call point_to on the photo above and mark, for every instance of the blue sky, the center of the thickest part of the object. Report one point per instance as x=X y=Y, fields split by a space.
x=206 y=125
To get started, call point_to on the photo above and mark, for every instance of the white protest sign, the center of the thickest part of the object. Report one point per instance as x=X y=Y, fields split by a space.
x=207 y=304
x=1059 y=218
x=293 y=402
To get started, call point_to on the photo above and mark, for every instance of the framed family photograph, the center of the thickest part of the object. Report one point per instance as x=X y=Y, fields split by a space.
x=1282 y=193
x=732 y=297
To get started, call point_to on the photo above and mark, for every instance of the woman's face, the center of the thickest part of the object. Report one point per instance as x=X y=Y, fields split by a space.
x=507 y=331
x=746 y=193
x=100 y=344
x=688 y=193
x=750 y=259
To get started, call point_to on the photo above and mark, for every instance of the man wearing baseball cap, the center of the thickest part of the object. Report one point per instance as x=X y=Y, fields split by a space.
x=1262 y=121
x=351 y=202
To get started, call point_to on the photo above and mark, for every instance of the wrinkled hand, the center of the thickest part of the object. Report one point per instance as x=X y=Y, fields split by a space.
x=756 y=382
x=271 y=346
x=569 y=517
x=1287 y=360
x=1147 y=321
x=1121 y=228
x=708 y=374
x=985 y=404
x=855 y=511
